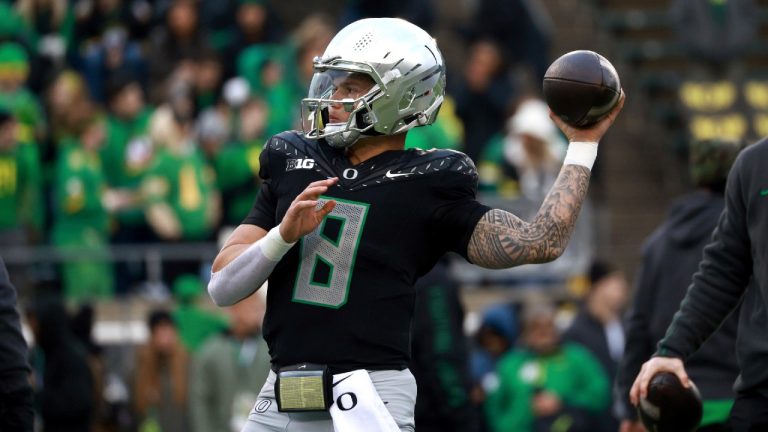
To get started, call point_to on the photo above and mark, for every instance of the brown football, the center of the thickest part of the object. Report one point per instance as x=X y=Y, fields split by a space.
x=581 y=87
x=670 y=407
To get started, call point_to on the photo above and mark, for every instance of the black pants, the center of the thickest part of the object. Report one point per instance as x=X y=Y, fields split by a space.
x=749 y=413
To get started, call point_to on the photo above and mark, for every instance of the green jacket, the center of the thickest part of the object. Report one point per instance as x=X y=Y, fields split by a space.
x=573 y=374
x=227 y=376
x=81 y=224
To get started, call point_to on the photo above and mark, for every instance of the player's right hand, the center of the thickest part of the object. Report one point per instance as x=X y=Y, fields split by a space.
x=650 y=368
x=593 y=133
x=303 y=216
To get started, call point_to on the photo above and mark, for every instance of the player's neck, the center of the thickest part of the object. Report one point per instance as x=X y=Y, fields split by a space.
x=367 y=148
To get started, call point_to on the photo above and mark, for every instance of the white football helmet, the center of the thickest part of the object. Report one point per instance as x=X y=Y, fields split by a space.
x=407 y=70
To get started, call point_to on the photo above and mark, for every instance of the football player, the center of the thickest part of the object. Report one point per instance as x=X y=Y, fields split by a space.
x=347 y=220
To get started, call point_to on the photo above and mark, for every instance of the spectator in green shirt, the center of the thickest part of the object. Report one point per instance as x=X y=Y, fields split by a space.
x=127 y=156
x=127 y=153
x=181 y=202
x=546 y=385
x=20 y=192
x=195 y=323
x=15 y=97
x=81 y=223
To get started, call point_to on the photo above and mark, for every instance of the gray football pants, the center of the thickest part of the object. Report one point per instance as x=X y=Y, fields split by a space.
x=397 y=390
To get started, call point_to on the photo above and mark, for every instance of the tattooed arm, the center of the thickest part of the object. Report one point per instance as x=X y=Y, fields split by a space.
x=502 y=240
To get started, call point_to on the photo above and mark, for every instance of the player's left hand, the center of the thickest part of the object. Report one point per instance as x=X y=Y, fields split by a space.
x=303 y=216
x=593 y=133
x=650 y=368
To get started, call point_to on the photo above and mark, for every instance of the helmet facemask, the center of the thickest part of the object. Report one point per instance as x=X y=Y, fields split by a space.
x=329 y=88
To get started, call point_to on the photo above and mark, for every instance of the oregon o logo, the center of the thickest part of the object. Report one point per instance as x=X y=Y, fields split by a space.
x=349 y=174
x=262 y=405
x=348 y=402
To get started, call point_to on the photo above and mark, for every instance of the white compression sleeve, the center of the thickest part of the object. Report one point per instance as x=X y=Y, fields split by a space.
x=248 y=272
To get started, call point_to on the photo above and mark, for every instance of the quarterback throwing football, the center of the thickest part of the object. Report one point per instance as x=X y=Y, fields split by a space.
x=347 y=220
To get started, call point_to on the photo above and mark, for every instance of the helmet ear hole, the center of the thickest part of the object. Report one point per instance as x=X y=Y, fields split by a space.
x=364 y=118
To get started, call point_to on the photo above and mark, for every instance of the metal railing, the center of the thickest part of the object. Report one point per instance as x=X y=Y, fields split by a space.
x=152 y=255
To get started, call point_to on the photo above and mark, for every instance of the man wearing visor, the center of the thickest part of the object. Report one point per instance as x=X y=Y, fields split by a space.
x=347 y=220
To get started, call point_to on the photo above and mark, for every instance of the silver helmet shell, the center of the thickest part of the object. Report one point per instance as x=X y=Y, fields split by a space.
x=407 y=70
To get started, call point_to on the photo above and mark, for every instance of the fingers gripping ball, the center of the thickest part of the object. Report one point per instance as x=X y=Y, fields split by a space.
x=670 y=407
x=581 y=87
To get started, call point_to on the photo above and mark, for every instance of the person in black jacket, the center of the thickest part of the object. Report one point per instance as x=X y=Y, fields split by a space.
x=598 y=326
x=670 y=256
x=15 y=392
x=734 y=269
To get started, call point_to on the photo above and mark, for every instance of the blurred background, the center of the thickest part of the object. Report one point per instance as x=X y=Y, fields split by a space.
x=129 y=139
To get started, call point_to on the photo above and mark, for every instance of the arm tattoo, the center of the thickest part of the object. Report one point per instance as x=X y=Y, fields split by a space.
x=502 y=240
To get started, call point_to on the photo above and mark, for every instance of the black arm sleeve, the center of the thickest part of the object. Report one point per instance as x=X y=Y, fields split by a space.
x=722 y=279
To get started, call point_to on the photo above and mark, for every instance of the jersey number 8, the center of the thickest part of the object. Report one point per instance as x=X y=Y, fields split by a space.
x=328 y=256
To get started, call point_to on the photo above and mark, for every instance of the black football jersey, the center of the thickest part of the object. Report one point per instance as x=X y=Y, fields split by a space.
x=343 y=295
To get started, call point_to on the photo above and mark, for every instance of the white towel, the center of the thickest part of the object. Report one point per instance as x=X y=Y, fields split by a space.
x=357 y=406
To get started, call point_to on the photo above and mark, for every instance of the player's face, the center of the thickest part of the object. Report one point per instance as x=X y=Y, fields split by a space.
x=347 y=88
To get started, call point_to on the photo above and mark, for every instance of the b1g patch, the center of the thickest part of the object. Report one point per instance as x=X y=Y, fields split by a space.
x=262 y=405
x=297 y=164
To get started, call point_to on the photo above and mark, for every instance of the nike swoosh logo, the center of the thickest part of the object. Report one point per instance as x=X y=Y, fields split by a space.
x=392 y=175
x=764 y=192
x=337 y=382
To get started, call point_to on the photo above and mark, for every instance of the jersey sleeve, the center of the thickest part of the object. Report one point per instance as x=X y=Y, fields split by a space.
x=458 y=210
x=263 y=212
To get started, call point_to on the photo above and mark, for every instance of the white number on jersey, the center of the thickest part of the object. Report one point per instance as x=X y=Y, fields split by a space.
x=328 y=256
